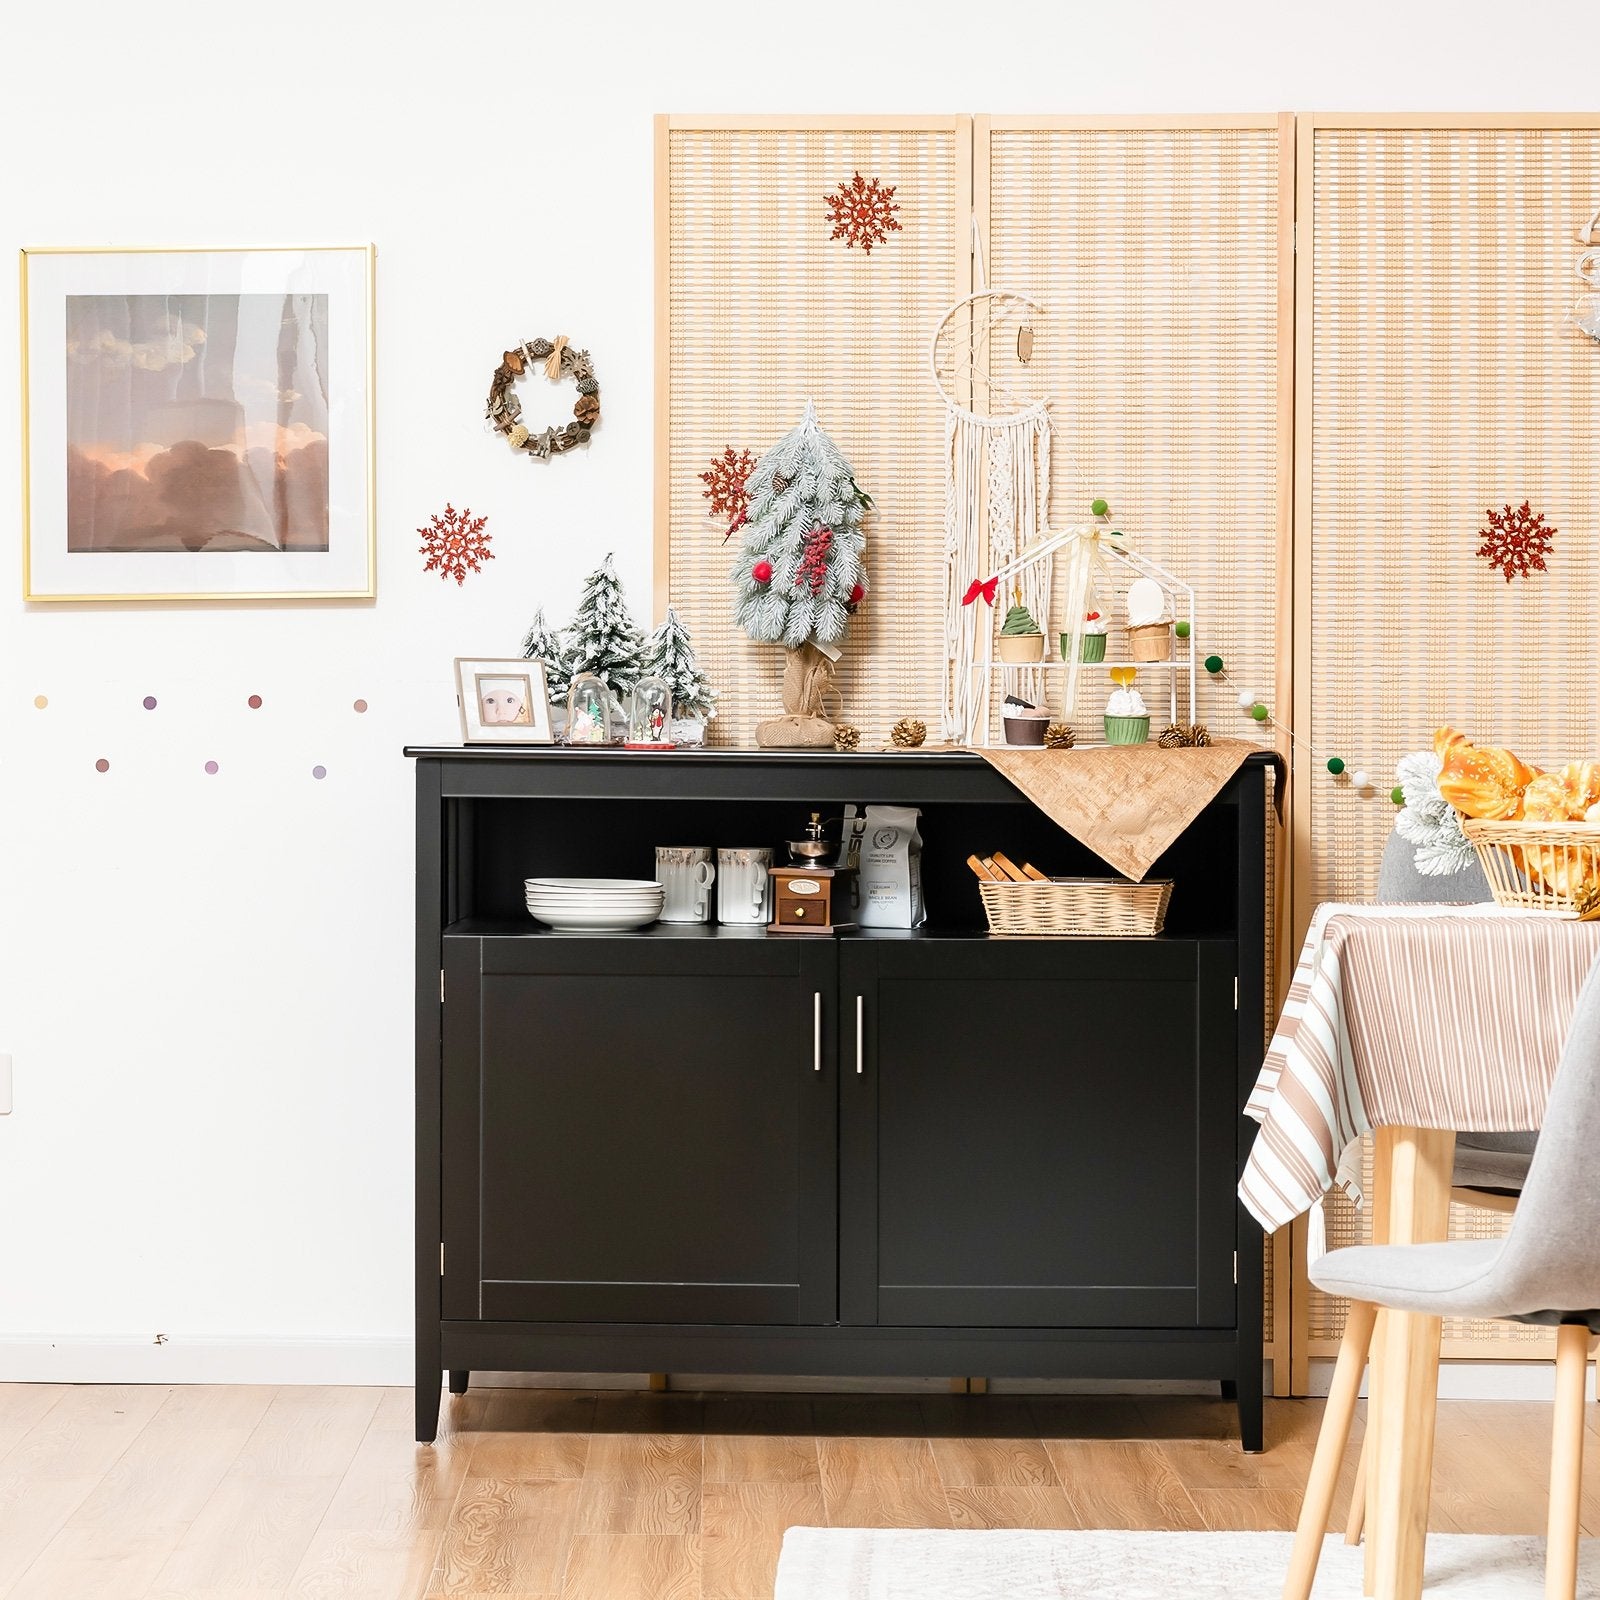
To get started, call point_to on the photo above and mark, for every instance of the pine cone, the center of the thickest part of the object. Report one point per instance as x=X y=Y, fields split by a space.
x=1173 y=737
x=1199 y=736
x=1059 y=736
x=845 y=737
x=909 y=732
x=587 y=409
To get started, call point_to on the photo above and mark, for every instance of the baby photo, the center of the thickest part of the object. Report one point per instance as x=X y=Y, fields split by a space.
x=505 y=701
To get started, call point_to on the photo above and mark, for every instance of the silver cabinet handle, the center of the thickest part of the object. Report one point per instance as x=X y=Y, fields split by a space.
x=816 y=1031
x=861 y=1049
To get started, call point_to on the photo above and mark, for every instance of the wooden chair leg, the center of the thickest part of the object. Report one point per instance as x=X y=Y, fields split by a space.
x=1317 y=1507
x=1566 y=1462
x=1358 y=1495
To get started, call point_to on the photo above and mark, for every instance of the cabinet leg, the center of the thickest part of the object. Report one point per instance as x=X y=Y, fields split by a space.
x=458 y=1380
x=1230 y=1389
x=1252 y=1421
x=428 y=1369
x=658 y=1383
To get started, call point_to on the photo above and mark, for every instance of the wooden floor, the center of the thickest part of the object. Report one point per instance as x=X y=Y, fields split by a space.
x=146 y=1493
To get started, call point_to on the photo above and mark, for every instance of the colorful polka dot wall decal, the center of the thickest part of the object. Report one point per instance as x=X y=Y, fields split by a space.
x=361 y=705
x=40 y=701
x=211 y=768
x=319 y=772
x=254 y=702
x=102 y=765
x=149 y=702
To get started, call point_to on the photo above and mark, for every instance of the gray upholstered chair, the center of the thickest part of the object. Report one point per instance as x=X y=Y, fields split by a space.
x=1546 y=1269
x=1490 y=1167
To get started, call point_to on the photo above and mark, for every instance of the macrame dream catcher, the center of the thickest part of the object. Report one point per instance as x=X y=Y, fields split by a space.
x=997 y=480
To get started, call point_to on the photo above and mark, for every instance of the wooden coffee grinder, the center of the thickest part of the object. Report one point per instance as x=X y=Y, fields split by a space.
x=809 y=896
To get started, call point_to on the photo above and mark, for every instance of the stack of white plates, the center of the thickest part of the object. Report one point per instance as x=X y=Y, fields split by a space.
x=594 y=905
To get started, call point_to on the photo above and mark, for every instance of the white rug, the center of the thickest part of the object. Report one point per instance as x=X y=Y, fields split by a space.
x=1006 y=1564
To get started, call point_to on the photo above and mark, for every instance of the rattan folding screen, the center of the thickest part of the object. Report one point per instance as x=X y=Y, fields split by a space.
x=1438 y=375
x=758 y=311
x=1161 y=251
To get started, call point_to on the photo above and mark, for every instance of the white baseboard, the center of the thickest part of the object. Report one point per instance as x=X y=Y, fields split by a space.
x=38 y=1358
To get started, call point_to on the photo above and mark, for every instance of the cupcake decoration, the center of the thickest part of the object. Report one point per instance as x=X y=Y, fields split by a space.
x=1127 y=718
x=1021 y=642
x=1094 y=638
x=1023 y=722
x=1149 y=626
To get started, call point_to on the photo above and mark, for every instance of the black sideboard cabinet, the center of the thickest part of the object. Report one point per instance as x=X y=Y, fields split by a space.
x=926 y=1153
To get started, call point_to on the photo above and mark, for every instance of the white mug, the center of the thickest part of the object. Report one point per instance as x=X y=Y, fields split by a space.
x=686 y=873
x=744 y=886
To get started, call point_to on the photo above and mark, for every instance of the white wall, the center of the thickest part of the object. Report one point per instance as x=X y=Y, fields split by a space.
x=205 y=980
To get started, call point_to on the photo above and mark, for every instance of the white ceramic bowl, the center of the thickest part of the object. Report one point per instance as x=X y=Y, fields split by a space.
x=592 y=885
x=614 y=902
x=595 y=919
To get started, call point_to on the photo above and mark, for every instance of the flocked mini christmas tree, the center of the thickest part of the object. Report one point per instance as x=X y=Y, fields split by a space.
x=553 y=648
x=669 y=655
x=799 y=576
x=602 y=638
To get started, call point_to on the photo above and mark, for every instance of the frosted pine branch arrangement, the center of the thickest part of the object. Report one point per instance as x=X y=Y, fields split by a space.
x=602 y=638
x=669 y=655
x=799 y=576
x=552 y=647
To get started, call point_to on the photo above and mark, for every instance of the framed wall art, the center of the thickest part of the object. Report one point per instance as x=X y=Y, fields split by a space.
x=503 y=702
x=198 y=424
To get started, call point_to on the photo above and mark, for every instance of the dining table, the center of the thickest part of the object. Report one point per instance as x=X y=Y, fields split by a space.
x=1410 y=1023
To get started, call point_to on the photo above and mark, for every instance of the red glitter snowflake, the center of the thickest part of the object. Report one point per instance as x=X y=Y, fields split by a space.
x=814 y=562
x=861 y=212
x=1516 y=541
x=455 y=544
x=725 y=488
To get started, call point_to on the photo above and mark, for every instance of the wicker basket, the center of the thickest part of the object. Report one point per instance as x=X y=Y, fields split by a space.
x=1078 y=908
x=1151 y=641
x=1539 y=866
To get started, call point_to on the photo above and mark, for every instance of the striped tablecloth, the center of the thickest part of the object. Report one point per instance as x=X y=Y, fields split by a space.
x=1413 y=1016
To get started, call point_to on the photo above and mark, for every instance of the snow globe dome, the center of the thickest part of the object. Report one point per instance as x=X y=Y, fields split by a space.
x=588 y=711
x=650 y=711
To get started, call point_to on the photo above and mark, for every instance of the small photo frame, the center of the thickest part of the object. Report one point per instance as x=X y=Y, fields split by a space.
x=503 y=702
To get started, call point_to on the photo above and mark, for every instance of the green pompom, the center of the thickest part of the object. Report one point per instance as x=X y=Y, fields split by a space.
x=1335 y=765
x=1181 y=629
x=1398 y=795
x=1098 y=507
x=1213 y=665
x=1259 y=712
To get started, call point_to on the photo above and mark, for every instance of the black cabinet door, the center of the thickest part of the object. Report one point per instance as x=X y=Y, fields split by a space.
x=1037 y=1133
x=640 y=1129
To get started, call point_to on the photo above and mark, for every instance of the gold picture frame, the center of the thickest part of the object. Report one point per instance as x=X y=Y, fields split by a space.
x=82 y=541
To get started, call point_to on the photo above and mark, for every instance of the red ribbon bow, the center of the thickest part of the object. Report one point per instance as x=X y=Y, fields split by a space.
x=977 y=587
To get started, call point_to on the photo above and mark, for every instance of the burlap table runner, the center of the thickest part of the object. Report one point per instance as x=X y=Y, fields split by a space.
x=1127 y=803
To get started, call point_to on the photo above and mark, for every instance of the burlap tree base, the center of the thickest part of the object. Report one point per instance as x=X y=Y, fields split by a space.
x=806 y=679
